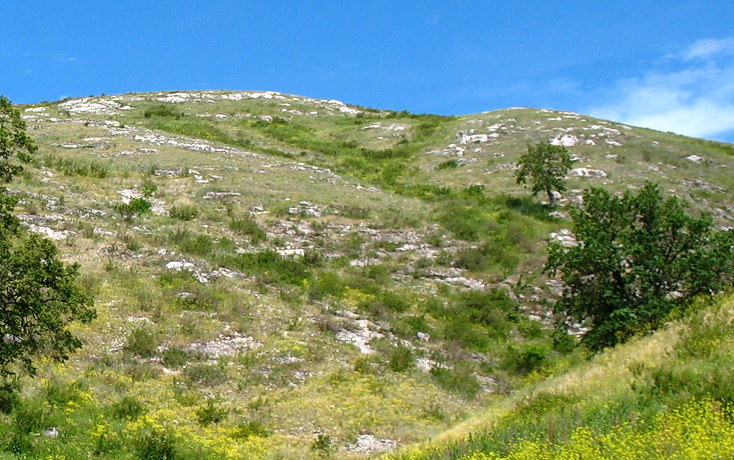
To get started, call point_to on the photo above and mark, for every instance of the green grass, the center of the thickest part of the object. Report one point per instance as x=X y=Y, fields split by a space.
x=399 y=217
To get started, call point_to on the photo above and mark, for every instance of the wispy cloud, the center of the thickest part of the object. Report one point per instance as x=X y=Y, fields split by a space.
x=67 y=59
x=692 y=95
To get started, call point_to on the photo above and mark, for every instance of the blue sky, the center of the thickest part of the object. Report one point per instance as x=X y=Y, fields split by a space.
x=666 y=65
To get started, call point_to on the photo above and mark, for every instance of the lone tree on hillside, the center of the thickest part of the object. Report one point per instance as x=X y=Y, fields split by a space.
x=545 y=166
x=637 y=260
x=39 y=297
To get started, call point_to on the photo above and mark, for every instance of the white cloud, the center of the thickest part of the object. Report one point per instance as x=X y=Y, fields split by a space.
x=707 y=48
x=696 y=99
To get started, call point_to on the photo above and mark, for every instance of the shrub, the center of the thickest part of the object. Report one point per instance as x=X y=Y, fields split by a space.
x=205 y=374
x=210 y=413
x=251 y=428
x=127 y=408
x=134 y=208
x=141 y=342
x=184 y=212
x=247 y=226
x=400 y=359
x=8 y=398
x=531 y=358
x=162 y=110
x=460 y=380
x=156 y=445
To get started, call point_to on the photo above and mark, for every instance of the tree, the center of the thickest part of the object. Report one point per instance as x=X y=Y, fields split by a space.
x=39 y=296
x=14 y=142
x=545 y=165
x=637 y=260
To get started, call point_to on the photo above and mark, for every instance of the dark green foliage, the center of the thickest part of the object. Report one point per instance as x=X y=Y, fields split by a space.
x=58 y=394
x=251 y=428
x=156 y=445
x=184 y=212
x=270 y=267
x=400 y=359
x=449 y=164
x=127 y=408
x=38 y=294
x=39 y=298
x=545 y=165
x=134 y=208
x=8 y=398
x=327 y=284
x=142 y=342
x=247 y=226
x=639 y=259
x=211 y=412
x=176 y=357
x=14 y=142
x=205 y=374
x=76 y=167
x=31 y=416
x=322 y=444
x=460 y=380
x=533 y=357
x=162 y=110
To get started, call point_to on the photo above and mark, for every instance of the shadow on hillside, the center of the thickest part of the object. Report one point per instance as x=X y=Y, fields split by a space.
x=528 y=206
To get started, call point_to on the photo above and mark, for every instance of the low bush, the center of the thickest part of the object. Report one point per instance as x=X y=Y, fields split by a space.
x=142 y=342
x=184 y=212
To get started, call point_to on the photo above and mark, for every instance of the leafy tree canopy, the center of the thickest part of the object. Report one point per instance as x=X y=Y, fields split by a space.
x=638 y=258
x=14 y=142
x=545 y=166
x=39 y=296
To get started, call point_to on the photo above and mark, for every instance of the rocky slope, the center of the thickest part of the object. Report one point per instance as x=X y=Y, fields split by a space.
x=310 y=277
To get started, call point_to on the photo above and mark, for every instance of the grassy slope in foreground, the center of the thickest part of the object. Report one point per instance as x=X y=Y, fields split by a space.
x=664 y=396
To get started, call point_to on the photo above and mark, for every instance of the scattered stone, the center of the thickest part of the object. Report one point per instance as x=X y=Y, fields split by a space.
x=224 y=346
x=566 y=140
x=564 y=237
x=361 y=337
x=94 y=106
x=367 y=443
x=587 y=172
x=694 y=158
x=213 y=195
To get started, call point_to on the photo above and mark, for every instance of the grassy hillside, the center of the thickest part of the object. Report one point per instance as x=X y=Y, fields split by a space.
x=283 y=277
x=661 y=397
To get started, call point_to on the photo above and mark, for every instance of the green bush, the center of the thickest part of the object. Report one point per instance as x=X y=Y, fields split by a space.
x=142 y=342
x=31 y=417
x=251 y=428
x=205 y=374
x=450 y=164
x=531 y=358
x=176 y=357
x=9 y=398
x=247 y=226
x=134 y=208
x=400 y=359
x=459 y=380
x=127 y=408
x=184 y=212
x=211 y=412
x=156 y=445
x=162 y=110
